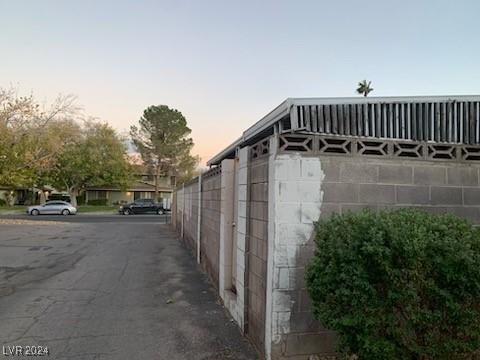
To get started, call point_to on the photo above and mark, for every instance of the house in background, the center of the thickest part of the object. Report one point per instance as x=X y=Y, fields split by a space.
x=142 y=188
x=23 y=195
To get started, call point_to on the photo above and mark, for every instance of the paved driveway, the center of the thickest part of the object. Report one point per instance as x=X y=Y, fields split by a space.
x=113 y=289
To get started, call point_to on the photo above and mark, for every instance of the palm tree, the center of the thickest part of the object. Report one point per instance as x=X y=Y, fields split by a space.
x=364 y=88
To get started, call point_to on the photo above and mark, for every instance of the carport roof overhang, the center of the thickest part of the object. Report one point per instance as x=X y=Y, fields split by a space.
x=265 y=126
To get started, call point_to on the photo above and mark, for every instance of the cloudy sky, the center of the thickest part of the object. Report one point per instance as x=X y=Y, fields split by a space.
x=225 y=64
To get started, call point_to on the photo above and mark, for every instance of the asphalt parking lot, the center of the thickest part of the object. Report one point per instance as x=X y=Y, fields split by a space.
x=108 y=287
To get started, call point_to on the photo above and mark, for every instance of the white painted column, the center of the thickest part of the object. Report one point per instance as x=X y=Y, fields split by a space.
x=294 y=201
x=226 y=226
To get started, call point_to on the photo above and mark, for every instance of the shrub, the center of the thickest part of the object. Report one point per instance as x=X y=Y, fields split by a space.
x=400 y=284
x=81 y=199
x=98 y=202
x=3 y=202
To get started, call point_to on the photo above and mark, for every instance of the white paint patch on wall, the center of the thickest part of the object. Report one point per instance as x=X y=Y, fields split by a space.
x=295 y=199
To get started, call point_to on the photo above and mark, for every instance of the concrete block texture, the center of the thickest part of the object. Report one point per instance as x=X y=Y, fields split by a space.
x=463 y=176
x=429 y=175
x=290 y=169
x=348 y=185
x=471 y=196
x=299 y=191
x=443 y=195
x=300 y=346
x=413 y=194
x=340 y=192
x=257 y=238
x=297 y=204
x=375 y=193
x=331 y=169
x=361 y=173
x=310 y=170
x=395 y=174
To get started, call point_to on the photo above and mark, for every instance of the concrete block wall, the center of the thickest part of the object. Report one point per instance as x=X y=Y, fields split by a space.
x=435 y=186
x=210 y=226
x=307 y=188
x=177 y=209
x=269 y=228
x=190 y=215
x=295 y=203
x=257 y=238
x=235 y=301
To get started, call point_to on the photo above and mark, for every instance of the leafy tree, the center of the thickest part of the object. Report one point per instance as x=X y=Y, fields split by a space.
x=364 y=88
x=96 y=157
x=162 y=139
x=398 y=285
x=31 y=138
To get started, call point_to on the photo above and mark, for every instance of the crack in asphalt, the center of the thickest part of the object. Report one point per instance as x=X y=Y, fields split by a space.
x=12 y=276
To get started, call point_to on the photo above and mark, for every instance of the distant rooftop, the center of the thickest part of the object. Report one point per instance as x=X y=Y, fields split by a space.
x=440 y=119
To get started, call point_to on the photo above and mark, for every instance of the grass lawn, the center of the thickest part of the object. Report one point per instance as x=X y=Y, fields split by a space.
x=17 y=209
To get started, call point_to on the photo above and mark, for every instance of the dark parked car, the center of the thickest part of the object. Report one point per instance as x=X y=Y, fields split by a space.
x=142 y=206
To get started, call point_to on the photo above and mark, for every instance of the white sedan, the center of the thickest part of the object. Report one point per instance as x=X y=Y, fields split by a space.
x=52 y=208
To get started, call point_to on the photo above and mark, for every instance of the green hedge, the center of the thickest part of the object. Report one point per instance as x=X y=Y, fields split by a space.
x=98 y=202
x=398 y=285
x=3 y=202
x=81 y=199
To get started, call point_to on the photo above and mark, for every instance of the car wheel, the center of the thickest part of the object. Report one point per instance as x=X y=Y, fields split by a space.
x=126 y=212
x=160 y=212
x=34 y=212
x=65 y=212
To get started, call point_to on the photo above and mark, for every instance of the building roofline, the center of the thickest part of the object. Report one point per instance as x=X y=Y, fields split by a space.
x=284 y=108
x=268 y=120
x=380 y=99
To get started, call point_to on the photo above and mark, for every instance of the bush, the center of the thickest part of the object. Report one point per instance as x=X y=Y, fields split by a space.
x=98 y=202
x=402 y=284
x=3 y=202
x=81 y=199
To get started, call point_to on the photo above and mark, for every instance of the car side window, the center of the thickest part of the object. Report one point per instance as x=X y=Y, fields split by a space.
x=53 y=203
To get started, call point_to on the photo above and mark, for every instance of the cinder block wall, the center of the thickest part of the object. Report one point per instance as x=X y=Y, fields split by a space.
x=295 y=197
x=210 y=226
x=341 y=184
x=438 y=187
x=257 y=250
x=191 y=214
x=177 y=210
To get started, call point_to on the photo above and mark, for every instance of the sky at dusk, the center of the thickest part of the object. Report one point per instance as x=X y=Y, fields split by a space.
x=225 y=64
